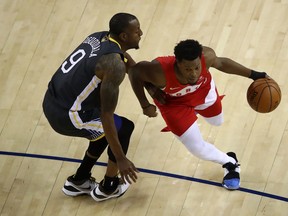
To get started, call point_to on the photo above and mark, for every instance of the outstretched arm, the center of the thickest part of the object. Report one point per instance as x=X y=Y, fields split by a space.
x=229 y=66
x=112 y=72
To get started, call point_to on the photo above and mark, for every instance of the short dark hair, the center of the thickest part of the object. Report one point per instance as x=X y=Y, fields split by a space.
x=188 y=50
x=119 y=22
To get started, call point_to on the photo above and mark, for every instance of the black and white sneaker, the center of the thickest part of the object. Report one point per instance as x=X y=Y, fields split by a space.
x=99 y=195
x=231 y=180
x=76 y=188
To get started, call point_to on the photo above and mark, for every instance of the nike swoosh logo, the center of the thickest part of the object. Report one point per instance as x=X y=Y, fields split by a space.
x=174 y=88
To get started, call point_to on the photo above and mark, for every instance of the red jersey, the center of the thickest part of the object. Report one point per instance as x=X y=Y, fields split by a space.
x=184 y=101
x=173 y=88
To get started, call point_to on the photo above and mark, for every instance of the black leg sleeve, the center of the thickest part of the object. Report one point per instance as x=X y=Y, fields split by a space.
x=124 y=135
x=95 y=149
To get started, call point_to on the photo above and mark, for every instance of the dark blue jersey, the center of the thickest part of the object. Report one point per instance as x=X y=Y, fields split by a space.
x=74 y=86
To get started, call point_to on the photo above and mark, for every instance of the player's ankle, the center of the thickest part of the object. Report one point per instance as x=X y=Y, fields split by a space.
x=109 y=184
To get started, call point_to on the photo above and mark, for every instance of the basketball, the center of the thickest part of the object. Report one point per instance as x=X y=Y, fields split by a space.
x=264 y=95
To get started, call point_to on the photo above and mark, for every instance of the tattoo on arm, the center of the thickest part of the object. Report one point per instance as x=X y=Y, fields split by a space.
x=113 y=71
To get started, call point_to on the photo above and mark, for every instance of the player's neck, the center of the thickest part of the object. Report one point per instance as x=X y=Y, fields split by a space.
x=114 y=40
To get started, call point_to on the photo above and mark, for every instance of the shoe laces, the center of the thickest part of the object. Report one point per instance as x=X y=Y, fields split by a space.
x=111 y=187
x=230 y=166
x=92 y=179
x=85 y=182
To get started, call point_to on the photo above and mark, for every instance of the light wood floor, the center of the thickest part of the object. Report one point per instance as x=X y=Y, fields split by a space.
x=36 y=36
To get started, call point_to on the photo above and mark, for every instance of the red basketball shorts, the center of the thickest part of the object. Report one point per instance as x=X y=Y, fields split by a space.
x=180 y=113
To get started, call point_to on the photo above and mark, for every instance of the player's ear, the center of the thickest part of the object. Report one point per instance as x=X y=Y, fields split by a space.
x=123 y=36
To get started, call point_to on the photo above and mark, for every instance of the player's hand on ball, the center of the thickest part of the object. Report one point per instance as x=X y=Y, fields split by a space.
x=264 y=95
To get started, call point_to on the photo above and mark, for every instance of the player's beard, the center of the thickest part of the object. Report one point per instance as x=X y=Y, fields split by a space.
x=136 y=46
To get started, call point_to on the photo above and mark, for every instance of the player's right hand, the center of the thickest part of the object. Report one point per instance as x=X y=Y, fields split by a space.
x=150 y=111
x=157 y=94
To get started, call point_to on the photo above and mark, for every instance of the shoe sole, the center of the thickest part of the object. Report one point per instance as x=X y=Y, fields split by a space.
x=230 y=188
x=105 y=198
x=74 y=194
x=68 y=190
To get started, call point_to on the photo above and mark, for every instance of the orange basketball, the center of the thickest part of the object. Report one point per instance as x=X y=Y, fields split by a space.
x=264 y=95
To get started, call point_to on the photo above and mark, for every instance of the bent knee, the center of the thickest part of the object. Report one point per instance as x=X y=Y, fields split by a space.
x=215 y=120
x=217 y=123
x=128 y=124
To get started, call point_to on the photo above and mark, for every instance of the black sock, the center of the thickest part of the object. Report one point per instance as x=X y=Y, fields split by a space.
x=84 y=171
x=95 y=150
x=109 y=184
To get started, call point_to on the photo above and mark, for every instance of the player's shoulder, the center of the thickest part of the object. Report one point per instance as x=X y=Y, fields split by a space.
x=111 y=68
x=110 y=63
x=148 y=66
x=110 y=58
x=149 y=71
x=166 y=59
x=99 y=34
x=208 y=51
x=209 y=56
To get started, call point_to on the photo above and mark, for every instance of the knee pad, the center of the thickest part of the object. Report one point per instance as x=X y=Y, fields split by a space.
x=126 y=129
x=124 y=134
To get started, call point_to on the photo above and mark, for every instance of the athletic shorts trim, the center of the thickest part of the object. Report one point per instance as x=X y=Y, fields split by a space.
x=179 y=116
x=73 y=113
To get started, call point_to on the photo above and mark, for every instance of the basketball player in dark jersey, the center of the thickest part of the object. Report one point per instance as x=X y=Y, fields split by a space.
x=183 y=87
x=81 y=99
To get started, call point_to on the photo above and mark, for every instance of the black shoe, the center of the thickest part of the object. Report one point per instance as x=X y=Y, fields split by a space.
x=231 y=180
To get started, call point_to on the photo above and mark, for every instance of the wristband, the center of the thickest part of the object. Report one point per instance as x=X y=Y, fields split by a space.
x=257 y=75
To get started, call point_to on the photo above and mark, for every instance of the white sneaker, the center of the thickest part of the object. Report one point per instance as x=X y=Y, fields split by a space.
x=99 y=196
x=76 y=188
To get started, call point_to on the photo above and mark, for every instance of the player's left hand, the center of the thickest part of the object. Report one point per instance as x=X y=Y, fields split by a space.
x=258 y=75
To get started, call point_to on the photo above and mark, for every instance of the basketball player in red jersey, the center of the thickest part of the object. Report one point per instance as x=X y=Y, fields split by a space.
x=183 y=87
